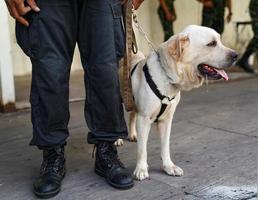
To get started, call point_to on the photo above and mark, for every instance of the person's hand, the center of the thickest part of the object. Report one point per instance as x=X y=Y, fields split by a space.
x=229 y=17
x=208 y=3
x=137 y=3
x=18 y=9
x=170 y=17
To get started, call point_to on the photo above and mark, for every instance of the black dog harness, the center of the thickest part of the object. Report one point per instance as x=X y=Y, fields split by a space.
x=155 y=90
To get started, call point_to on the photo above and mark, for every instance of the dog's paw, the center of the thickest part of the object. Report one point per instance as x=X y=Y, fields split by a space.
x=141 y=173
x=173 y=170
x=119 y=143
x=133 y=138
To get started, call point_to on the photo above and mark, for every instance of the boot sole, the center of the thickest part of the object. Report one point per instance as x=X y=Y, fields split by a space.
x=49 y=194
x=121 y=187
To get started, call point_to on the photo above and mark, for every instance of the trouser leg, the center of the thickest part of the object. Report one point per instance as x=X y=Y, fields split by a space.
x=101 y=43
x=248 y=52
x=166 y=25
x=51 y=38
x=254 y=41
x=218 y=24
x=207 y=17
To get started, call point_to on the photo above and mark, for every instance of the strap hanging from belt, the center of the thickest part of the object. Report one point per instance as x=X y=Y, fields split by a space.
x=127 y=88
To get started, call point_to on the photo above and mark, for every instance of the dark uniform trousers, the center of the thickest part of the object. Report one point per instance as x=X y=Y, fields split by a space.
x=96 y=25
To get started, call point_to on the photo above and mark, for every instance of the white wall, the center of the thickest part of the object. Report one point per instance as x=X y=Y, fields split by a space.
x=7 y=94
x=188 y=12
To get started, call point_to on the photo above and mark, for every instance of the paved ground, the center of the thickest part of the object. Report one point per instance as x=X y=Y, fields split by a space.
x=214 y=139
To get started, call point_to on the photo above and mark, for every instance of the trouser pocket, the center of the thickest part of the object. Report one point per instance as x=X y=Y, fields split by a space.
x=28 y=37
x=119 y=30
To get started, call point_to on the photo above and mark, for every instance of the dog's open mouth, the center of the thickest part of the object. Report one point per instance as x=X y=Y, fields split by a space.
x=212 y=72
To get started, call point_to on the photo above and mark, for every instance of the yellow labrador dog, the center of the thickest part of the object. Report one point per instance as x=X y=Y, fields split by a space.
x=181 y=63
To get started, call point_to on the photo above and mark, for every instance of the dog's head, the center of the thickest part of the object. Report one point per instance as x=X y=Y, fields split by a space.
x=194 y=54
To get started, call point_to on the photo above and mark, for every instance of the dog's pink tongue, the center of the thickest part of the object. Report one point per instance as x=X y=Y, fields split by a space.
x=222 y=73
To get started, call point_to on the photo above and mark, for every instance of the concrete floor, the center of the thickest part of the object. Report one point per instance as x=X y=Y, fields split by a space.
x=214 y=139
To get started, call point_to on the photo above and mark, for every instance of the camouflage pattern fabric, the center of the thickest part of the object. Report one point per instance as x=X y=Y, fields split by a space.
x=214 y=17
x=253 y=8
x=167 y=26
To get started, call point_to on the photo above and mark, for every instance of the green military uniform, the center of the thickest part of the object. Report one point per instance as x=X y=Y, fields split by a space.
x=253 y=8
x=167 y=26
x=214 y=17
x=253 y=44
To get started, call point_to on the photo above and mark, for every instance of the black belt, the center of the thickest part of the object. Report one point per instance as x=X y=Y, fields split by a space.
x=155 y=89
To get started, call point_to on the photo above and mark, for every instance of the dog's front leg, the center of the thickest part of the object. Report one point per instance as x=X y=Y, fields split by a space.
x=132 y=131
x=143 y=125
x=164 y=128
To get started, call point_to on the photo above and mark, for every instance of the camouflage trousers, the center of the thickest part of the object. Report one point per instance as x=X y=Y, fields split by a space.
x=253 y=44
x=167 y=26
x=213 y=20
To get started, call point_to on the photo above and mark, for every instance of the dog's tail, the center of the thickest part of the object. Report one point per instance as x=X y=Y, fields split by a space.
x=136 y=58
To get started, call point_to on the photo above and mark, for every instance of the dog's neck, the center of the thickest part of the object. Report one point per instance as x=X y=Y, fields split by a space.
x=183 y=75
x=164 y=82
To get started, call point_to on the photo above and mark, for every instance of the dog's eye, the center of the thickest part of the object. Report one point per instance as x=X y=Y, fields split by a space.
x=212 y=44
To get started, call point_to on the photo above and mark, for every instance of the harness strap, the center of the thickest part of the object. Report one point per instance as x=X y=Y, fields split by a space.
x=134 y=68
x=151 y=83
x=156 y=91
x=162 y=110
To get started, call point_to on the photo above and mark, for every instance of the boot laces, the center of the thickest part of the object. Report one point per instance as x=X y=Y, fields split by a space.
x=108 y=153
x=52 y=161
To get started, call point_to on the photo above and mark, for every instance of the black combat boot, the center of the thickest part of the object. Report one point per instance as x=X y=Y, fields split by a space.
x=243 y=62
x=109 y=166
x=51 y=173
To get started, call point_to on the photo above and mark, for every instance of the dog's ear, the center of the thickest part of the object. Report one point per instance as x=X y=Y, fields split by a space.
x=177 y=45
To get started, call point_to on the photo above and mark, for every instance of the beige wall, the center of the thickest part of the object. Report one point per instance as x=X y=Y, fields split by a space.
x=188 y=12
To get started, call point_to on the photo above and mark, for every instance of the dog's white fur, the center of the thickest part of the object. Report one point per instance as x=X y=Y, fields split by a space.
x=174 y=70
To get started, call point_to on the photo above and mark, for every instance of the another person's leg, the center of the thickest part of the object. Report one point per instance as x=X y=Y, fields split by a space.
x=166 y=25
x=50 y=41
x=218 y=24
x=207 y=17
x=243 y=62
x=254 y=16
x=102 y=43
x=251 y=48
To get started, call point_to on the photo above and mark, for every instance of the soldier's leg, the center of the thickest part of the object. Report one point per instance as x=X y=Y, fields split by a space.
x=167 y=26
x=168 y=29
x=50 y=41
x=243 y=62
x=218 y=24
x=102 y=44
x=255 y=38
x=251 y=48
x=207 y=17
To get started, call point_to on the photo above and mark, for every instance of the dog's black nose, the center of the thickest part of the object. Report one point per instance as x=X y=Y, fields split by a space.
x=234 y=56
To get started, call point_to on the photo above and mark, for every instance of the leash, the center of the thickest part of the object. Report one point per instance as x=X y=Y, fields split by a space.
x=145 y=36
x=141 y=31
x=127 y=86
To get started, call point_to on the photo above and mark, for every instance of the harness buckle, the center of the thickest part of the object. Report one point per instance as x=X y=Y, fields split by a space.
x=165 y=101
